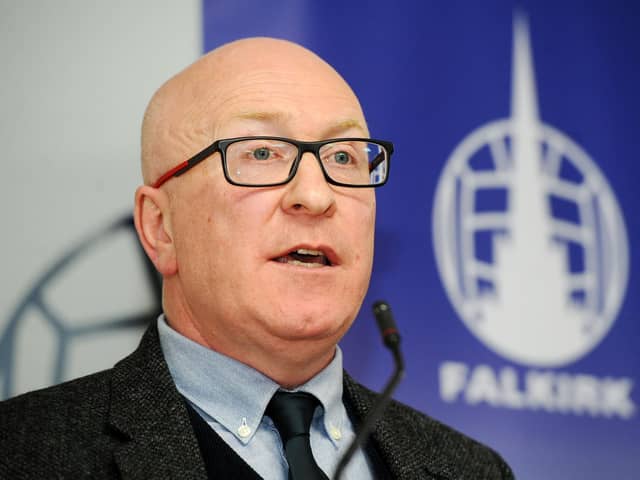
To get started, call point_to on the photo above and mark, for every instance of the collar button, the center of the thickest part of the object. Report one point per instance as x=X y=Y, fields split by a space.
x=244 y=430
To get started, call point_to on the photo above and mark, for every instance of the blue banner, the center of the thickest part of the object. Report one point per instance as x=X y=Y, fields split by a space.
x=503 y=240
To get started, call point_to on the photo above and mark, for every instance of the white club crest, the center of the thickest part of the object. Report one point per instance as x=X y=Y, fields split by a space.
x=529 y=238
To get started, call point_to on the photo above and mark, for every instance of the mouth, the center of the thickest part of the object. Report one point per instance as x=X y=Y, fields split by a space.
x=306 y=257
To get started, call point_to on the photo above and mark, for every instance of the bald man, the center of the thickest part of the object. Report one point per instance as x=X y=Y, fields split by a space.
x=258 y=210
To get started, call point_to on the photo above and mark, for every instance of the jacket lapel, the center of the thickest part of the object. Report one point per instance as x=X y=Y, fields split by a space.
x=401 y=437
x=148 y=413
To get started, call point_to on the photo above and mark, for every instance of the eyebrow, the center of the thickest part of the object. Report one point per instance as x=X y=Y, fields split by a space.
x=280 y=117
x=274 y=116
x=347 y=124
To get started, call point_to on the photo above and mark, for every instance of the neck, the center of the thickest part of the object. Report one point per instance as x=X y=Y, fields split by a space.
x=289 y=363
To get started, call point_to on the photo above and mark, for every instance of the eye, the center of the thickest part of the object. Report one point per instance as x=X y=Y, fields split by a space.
x=342 y=158
x=262 y=153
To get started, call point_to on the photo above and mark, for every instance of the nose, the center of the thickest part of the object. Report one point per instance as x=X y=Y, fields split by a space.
x=308 y=192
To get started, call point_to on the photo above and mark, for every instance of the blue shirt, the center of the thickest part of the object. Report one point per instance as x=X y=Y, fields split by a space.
x=232 y=398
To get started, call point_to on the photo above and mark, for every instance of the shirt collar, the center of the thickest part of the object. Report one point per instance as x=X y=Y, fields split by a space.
x=199 y=373
x=326 y=386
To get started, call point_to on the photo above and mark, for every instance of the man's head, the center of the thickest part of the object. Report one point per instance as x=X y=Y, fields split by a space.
x=225 y=252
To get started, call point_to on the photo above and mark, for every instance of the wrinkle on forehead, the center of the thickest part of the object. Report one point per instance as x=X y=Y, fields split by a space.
x=277 y=116
x=181 y=116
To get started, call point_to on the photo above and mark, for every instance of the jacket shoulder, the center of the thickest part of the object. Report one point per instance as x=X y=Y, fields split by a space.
x=37 y=429
x=44 y=405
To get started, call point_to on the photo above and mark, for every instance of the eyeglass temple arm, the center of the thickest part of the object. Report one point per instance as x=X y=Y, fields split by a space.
x=186 y=165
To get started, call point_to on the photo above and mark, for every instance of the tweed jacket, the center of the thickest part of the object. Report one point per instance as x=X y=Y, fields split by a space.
x=130 y=422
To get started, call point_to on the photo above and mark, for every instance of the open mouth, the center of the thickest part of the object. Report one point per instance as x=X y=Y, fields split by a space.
x=306 y=258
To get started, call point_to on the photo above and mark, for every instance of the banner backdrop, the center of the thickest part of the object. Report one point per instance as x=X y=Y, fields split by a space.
x=504 y=239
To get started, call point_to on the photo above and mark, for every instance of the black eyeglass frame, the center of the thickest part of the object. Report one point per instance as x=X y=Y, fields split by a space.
x=303 y=147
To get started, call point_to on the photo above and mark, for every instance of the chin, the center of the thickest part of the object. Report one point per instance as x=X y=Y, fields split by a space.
x=311 y=322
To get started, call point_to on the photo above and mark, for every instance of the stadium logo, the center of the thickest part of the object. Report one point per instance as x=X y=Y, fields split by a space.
x=529 y=239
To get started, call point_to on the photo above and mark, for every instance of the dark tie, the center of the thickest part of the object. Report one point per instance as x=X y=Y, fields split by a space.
x=292 y=414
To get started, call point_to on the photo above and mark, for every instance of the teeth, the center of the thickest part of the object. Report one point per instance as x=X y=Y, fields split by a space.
x=304 y=251
x=304 y=264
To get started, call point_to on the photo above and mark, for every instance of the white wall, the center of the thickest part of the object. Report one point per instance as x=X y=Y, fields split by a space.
x=75 y=78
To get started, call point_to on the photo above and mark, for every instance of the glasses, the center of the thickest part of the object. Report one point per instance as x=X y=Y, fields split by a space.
x=271 y=161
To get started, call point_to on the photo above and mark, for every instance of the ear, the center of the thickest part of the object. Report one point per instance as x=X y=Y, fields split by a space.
x=153 y=224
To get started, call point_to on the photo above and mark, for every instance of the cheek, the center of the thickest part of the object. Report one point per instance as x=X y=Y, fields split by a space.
x=199 y=233
x=362 y=225
x=364 y=222
x=234 y=230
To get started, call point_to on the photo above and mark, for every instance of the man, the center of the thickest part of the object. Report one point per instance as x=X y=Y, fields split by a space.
x=265 y=246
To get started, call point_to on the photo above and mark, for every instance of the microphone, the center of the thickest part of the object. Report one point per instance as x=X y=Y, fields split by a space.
x=391 y=339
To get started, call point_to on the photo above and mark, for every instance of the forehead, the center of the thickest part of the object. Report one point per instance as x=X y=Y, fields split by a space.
x=285 y=123
x=311 y=100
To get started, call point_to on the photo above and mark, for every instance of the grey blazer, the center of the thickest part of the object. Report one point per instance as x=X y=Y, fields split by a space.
x=130 y=422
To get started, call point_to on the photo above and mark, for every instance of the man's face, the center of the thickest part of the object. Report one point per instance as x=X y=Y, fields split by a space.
x=235 y=246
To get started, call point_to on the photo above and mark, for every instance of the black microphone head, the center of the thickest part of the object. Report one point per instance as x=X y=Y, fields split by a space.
x=386 y=324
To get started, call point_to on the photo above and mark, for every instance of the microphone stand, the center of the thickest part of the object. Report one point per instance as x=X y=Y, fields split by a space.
x=391 y=339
